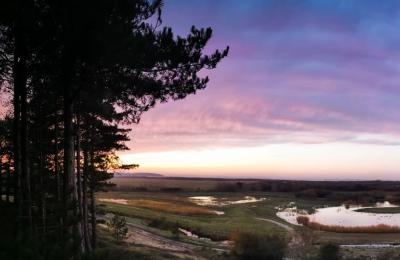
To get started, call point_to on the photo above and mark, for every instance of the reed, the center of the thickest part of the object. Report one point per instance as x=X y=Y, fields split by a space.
x=170 y=207
x=381 y=228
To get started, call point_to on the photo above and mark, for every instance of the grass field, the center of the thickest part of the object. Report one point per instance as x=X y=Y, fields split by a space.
x=168 y=207
x=159 y=183
x=238 y=216
x=143 y=207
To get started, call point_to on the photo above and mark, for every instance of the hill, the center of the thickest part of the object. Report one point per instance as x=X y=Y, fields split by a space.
x=138 y=175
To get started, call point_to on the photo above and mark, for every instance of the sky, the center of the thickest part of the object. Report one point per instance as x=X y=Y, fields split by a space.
x=309 y=90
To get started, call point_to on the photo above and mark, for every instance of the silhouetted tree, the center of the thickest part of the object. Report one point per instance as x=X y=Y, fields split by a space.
x=58 y=61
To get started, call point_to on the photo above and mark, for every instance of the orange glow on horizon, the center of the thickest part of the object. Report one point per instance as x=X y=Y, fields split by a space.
x=297 y=161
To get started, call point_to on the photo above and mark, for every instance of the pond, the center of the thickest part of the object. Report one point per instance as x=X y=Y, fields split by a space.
x=212 y=201
x=118 y=201
x=342 y=216
x=190 y=234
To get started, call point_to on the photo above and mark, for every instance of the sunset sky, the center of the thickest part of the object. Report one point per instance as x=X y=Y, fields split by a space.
x=309 y=90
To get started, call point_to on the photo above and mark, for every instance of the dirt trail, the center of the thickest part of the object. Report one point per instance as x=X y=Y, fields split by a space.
x=141 y=237
x=295 y=237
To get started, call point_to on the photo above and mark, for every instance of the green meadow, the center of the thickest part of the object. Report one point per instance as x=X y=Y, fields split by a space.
x=246 y=216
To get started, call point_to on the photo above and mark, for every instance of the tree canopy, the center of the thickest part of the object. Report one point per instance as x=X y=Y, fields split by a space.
x=75 y=71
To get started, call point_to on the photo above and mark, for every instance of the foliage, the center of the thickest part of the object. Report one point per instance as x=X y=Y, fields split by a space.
x=175 y=230
x=161 y=223
x=394 y=199
x=250 y=245
x=118 y=228
x=66 y=68
x=226 y=187
x=329 y=251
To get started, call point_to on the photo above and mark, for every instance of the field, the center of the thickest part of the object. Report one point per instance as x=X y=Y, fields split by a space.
x=159 y=183
x=156 y=212
x=239 y=216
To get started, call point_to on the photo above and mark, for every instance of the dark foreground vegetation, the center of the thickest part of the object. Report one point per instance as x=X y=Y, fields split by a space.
x=64 y=68
x=250 y=245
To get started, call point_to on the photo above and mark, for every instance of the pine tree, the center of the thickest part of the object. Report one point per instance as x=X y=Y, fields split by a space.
x=118 y=228
x=58 y=61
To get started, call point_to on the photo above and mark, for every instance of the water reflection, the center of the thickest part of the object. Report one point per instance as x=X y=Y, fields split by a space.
x=212 y=201
x=190 y=234
x=119 y=201
x=343 y=216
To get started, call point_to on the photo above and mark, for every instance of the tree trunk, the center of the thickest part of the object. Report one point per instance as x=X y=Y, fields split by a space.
x=56 y=167
x=69 y=181
x=41 y=190
x=94 y=218
x=25 y=174
x=84 y=201
x=92 y=199
x=79 y=178
x=1 y=177
x=17 y=142
x=8 y=180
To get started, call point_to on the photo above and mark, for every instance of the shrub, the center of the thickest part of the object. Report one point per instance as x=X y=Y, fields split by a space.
x=329 y=251
x=175 y=230
x=118 y=228
x=250 y=245
x=303 y=220
x=161 y=223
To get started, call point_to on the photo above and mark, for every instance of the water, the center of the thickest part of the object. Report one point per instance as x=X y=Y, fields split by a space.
x=343 y=216
x=190 y=234
x=372 y=245
x=212 y=201
x=119 y=201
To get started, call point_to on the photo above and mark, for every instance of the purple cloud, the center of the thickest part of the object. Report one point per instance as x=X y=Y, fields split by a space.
x=303 y=71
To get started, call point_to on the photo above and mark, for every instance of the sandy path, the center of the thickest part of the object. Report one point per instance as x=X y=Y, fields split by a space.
x=142 y=237
x=295 y=237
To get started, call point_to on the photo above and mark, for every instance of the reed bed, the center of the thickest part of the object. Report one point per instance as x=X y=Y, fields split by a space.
x=381 y=228
x=170 y=207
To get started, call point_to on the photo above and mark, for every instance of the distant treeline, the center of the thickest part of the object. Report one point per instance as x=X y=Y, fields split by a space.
x=312 y=189
x=323 y=187
x=351 y=192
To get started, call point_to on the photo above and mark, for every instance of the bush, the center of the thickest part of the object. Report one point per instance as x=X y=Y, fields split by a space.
x=250 y=245
x=329 y=251
x=117 y=226
x=303 y=220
